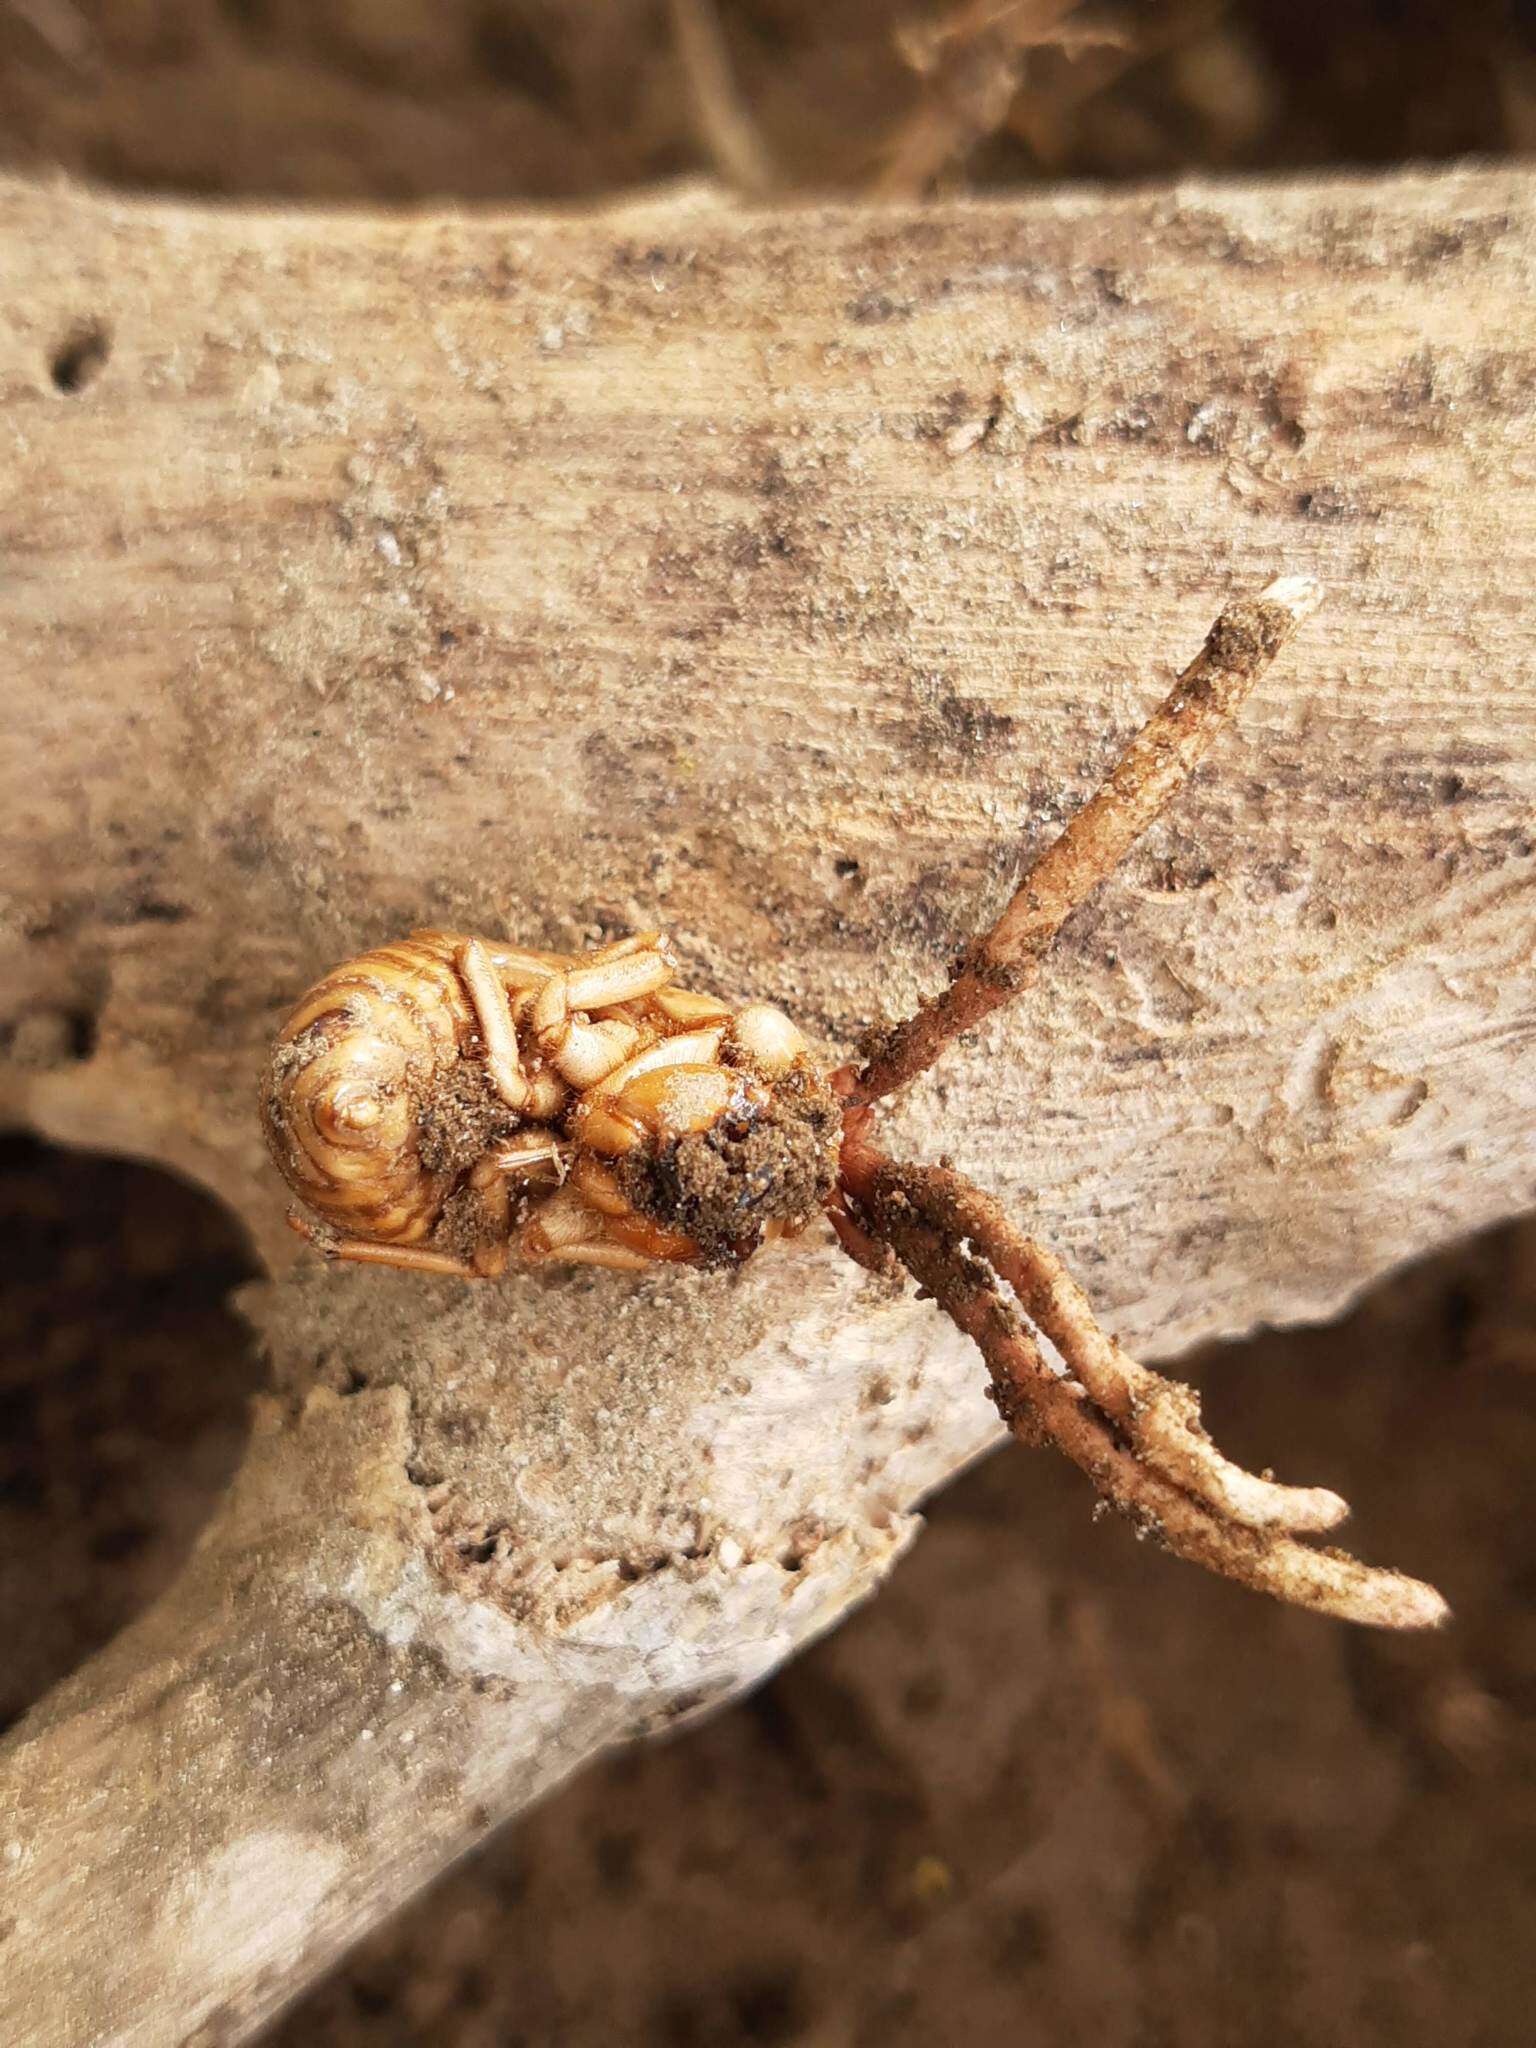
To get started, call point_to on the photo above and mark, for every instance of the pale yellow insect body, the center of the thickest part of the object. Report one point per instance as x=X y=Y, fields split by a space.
x=448 y=1103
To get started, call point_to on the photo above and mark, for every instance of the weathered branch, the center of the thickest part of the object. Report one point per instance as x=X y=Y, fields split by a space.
x=777 y=581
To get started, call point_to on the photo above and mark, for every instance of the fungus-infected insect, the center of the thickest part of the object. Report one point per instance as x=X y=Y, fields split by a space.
x=448 y=1103
x=452 y=1104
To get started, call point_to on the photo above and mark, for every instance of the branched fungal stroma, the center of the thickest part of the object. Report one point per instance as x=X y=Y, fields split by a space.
x=452 y=1104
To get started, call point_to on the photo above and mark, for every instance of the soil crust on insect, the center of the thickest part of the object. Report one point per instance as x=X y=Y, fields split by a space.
x=461 y=1118
x=722 y=1186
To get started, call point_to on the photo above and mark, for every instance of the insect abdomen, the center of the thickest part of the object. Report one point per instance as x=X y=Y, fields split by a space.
x=343 y=1095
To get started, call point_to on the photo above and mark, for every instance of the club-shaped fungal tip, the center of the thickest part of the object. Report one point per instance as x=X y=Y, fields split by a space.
x=1299 y=595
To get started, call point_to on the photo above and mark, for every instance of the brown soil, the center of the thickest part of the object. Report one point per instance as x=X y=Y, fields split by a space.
x=1049 y=1785
x=120 y=1418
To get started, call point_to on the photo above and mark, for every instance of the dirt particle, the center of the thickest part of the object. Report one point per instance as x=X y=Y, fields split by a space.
x=43 y=1039
x=1247 y=632
x=615 y=1855
x=770 y=2008
x=1326 y=505
x=874 y=309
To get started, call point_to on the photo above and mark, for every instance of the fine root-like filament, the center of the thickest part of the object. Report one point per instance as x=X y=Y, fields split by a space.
x=1159 y=760
x=1136 y=1435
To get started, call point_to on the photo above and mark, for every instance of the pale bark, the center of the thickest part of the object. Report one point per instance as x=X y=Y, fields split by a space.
x=774 y=580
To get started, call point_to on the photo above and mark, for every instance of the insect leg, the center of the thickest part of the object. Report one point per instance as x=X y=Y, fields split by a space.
x=493 y=1013
x=585 y=1050
x=567 y=1230
x=411 y=1258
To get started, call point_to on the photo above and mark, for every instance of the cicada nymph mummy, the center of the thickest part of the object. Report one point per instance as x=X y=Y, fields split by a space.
x=450 y=1103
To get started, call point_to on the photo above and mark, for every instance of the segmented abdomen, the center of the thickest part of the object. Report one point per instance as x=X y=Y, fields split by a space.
x=342 y=1097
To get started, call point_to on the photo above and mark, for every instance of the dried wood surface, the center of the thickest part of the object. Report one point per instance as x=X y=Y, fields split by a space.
x=776 y=579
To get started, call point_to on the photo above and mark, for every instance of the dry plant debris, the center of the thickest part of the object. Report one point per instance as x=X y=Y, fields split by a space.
x=971 y=64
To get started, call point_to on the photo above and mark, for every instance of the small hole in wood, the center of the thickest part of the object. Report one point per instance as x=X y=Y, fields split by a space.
x=80 y=357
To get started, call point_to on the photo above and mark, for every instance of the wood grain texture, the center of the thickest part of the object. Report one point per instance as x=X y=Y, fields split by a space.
x=778 y=579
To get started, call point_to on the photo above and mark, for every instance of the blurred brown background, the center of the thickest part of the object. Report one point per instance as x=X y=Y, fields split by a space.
x=1049 y=1786
x=565 y=99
